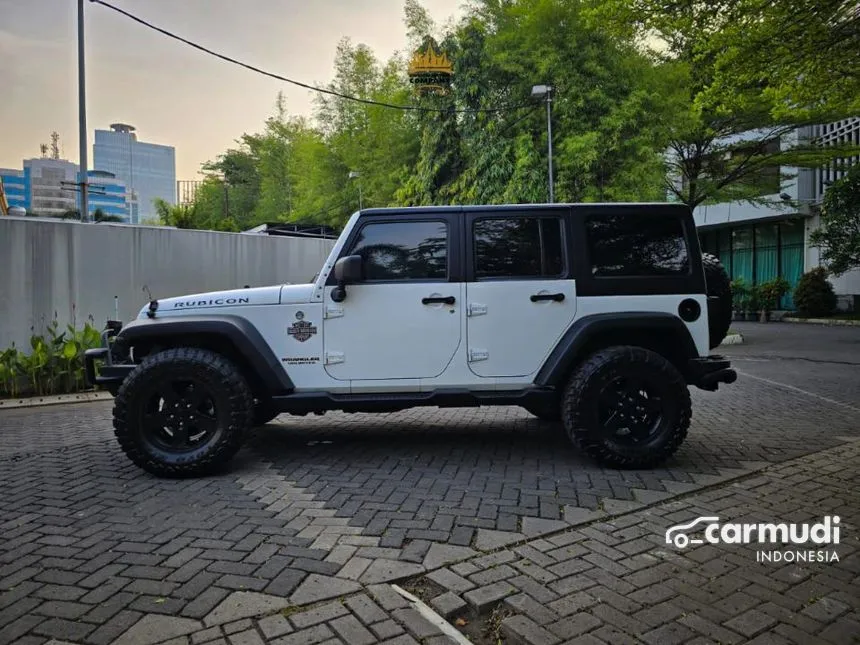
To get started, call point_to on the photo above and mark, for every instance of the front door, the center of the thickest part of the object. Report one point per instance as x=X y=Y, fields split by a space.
x=403 y=320
x=520 y=297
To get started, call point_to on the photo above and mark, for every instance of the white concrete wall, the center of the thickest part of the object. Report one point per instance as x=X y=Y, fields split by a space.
x=846 y=285
x=76 y=269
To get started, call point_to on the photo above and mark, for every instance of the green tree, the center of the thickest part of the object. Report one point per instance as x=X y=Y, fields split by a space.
x=179 y=215
x=607 y=105
x=728 y=138
x=839 y=234
x=802 y=55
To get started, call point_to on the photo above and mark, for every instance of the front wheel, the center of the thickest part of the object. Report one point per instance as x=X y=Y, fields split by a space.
x=627 y=407
x=183 y=412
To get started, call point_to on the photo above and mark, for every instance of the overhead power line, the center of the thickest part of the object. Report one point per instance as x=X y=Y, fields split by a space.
x=313 y=88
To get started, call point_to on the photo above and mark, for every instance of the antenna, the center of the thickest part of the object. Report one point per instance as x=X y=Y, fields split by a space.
x=55 y=145
x=43 y=147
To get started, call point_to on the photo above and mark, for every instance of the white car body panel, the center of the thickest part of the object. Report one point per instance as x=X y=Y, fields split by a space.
x=383 y=331
x=661 y=304
x=216 y=302
x=508 y=334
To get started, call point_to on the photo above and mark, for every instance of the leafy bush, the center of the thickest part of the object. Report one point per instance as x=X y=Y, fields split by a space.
x=54 y=364
x=770 y=291
x=814 y=295
x=740 y=294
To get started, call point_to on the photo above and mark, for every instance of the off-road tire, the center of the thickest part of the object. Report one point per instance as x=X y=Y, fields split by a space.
x=581 y=407
x=719 y=290
x=225 y=387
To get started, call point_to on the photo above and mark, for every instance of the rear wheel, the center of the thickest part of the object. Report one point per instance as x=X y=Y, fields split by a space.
x=627 y=407
x=183 y=412
x=719 y=289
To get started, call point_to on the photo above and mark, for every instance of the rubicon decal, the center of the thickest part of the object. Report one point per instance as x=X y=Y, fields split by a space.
x=709 y=530
x=212 y=302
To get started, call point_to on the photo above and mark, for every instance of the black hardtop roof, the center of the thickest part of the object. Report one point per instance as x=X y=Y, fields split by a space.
x=591 y=208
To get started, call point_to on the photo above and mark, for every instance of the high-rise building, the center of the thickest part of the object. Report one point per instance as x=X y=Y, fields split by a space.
x=16 y=185
x=148 y=170
x=51 y=185
x=47 y=187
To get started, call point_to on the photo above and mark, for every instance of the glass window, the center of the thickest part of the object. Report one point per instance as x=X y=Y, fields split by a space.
x=523 y=247
x=636 y=245
x=403 y=250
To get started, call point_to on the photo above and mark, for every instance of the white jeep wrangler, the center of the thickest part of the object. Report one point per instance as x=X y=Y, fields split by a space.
x=597 y=316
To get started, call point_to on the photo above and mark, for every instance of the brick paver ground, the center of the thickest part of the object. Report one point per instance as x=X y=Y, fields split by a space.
x=486 y=507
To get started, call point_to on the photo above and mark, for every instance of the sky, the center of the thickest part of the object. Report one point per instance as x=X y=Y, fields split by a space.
x=173 y=94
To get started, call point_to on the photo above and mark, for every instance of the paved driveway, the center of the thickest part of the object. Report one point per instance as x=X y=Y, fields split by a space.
x=319 y=507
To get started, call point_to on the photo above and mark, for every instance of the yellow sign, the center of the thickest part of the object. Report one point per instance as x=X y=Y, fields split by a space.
x=430 y=70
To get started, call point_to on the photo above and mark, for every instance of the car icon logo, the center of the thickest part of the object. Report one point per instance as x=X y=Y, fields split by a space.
x=677 y=535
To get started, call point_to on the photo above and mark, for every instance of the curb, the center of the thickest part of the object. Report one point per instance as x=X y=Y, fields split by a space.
x=823 y=321
x=733 y=339
x=36 y=401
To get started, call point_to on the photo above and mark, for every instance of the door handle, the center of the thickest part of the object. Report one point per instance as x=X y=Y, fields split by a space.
x=445 y=300
x=557 y=297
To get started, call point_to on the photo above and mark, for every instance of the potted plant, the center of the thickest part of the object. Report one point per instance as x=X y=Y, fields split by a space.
x=740 y=297
x=752 y=303
x=770 y=293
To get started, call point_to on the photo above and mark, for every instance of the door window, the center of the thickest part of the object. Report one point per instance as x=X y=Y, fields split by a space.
x=403 y=250
x=518 y=247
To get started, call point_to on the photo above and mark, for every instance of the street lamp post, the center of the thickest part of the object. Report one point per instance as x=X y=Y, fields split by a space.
x=354 y=174
x=539 y=92
x=82 y=117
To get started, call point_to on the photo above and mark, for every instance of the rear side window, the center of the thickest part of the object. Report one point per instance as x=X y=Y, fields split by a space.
x=518 y=247
x=403 y=250
x=637 y=245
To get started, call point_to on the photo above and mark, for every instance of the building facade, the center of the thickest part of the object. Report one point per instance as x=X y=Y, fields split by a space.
x=147 y=170
x=760 y=242
x=47 y=187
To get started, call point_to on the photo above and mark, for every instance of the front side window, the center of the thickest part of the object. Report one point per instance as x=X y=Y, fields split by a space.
x=637 y=245
x=518 y=247
x=403 y=250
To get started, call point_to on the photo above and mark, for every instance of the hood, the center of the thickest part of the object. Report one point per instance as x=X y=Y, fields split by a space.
x=294 y=294
x=217 y=300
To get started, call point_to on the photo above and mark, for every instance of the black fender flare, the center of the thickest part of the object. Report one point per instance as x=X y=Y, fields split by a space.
x=568 y=350
x=238 y=331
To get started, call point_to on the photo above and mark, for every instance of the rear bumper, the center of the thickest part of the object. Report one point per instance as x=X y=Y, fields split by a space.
x=707 y=373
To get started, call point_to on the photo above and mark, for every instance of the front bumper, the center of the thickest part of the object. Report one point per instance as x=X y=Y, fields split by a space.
x=707 y=373
x=109 y=374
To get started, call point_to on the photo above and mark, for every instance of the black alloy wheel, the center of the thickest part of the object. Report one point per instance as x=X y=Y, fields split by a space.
x=627 y=407
x=183 y=412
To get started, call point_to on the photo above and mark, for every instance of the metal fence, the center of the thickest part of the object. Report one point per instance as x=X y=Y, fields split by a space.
x=73 y=270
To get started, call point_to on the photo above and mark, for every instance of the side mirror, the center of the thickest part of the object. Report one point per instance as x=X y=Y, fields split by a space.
x=347 y=270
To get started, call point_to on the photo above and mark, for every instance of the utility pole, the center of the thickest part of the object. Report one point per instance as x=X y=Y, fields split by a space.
x=540 y=92
x=82 y=117
x=549 y=143
x=354 y=174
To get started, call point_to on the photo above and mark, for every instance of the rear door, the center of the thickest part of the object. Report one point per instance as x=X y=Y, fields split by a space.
x=520 y=296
